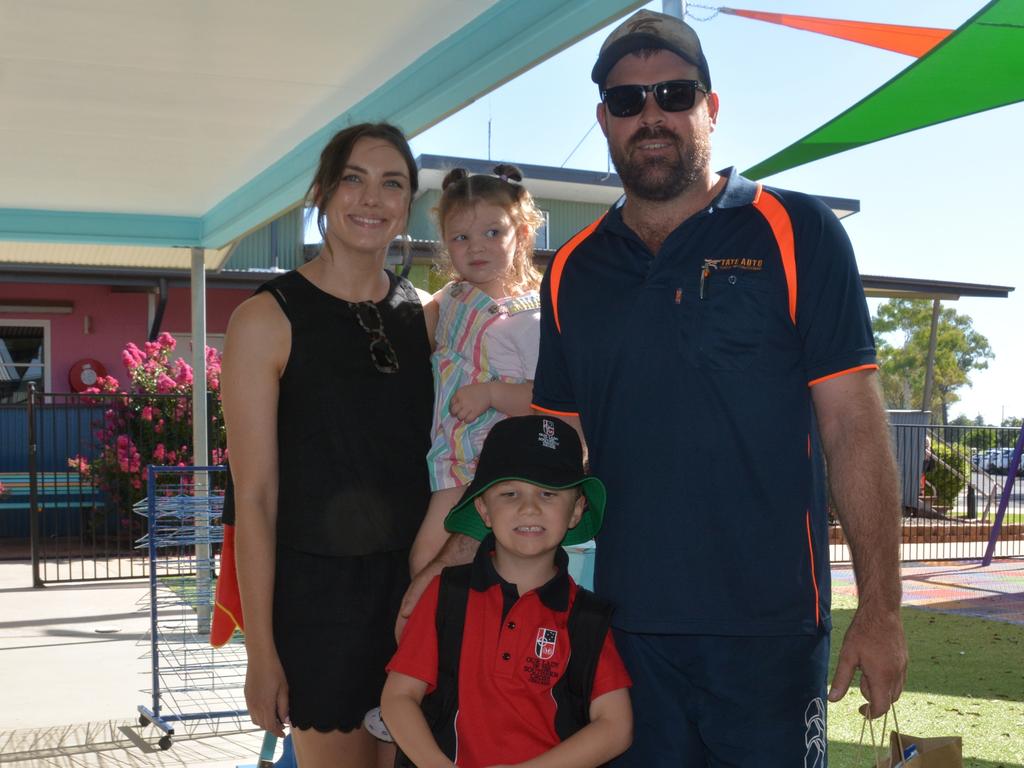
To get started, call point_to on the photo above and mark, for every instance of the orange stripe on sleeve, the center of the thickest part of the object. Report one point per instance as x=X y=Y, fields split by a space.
x=778 y=219
x=558 y=264
x=814 y=576
x=837 y=374
x=554 y=413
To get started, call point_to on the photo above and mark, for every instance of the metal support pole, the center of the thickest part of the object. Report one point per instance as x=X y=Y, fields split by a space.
x=1004 y=499
x=675 y=8
x=151 y=534
x=929 y=370
x=200 y=447
x=34 y=521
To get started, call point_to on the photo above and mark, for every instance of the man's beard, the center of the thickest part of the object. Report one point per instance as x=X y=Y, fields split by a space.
x=662 y=178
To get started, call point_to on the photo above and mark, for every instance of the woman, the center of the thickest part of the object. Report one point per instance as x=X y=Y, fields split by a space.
x=327 y=395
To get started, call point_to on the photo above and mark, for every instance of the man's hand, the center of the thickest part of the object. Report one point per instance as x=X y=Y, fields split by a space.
x=874 y=643
x=413 y=594
x=470 y=401
x=457 y=550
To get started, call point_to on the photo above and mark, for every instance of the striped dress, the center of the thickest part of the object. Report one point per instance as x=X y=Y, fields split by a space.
x=465 y=315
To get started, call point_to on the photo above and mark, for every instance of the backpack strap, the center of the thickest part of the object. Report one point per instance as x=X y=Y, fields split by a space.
x=442 y=704
x=589 y=621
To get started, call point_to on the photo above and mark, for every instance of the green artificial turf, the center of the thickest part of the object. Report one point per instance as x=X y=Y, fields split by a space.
x=966 y=678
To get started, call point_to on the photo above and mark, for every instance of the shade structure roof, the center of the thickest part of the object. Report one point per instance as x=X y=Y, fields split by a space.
x=185 y=125
x=978 y=67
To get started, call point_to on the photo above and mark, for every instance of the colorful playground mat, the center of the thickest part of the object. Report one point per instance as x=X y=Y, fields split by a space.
x=966 y=587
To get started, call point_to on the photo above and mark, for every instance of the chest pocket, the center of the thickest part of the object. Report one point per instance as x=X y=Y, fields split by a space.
x=730 y=320
x=730 y=324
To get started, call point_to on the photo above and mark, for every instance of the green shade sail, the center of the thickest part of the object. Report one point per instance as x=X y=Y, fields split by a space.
x=977 y=68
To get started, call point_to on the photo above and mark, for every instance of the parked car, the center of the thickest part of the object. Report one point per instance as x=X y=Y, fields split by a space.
x=996 y=461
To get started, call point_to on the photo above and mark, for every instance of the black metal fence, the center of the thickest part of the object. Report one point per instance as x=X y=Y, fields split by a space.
x=73 y=465
x=954 y=478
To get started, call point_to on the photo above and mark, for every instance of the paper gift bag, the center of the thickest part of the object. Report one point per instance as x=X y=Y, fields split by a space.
x=907 y=751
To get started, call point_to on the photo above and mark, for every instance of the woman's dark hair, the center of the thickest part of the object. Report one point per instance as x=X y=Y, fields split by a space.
x=335 y=157
x=461 y=191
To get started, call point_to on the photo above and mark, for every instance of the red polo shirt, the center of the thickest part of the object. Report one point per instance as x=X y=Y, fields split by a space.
x=514 y=650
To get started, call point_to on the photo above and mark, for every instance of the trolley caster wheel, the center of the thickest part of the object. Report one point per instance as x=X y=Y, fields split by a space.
x=164 y=743
x=143 y=721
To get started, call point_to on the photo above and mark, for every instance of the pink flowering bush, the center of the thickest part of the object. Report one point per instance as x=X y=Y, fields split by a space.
x=149 y=421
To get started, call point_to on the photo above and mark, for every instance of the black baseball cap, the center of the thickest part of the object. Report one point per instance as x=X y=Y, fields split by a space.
x=541 y=450
x=647 y=29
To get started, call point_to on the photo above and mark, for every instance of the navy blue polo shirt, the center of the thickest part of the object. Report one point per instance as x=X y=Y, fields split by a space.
x=691 y=371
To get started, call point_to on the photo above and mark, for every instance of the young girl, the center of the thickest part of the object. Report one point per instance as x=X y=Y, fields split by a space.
x=487 y=332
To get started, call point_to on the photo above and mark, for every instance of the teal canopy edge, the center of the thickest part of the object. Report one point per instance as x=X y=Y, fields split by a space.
x=1004 y=18
x=32 y=225
x=508 y=38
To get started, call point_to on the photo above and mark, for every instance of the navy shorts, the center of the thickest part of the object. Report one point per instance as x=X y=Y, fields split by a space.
x=726 y=701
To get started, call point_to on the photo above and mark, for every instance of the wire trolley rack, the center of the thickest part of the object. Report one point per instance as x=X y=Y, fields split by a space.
x=191 y=682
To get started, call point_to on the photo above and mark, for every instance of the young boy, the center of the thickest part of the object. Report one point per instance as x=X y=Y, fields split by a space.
x=509 y=699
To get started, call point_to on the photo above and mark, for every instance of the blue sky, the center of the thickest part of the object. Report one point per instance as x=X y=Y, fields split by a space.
x=938 y=203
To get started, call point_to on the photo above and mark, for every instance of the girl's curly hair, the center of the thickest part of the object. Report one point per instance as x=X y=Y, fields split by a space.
x=460 y=191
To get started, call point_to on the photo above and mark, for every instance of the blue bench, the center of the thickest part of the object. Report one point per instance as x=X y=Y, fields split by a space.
x=60 y=495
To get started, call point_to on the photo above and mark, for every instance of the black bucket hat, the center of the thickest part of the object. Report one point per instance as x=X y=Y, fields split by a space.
x=541 y=450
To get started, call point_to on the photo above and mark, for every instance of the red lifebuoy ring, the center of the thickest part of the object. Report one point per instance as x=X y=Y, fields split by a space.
x=85 y=373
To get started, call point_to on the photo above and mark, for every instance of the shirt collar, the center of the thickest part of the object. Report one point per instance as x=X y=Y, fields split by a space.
x=554 y=594
x=737 y=192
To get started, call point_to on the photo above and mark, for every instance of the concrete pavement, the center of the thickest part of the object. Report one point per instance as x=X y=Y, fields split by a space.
x=74 y=665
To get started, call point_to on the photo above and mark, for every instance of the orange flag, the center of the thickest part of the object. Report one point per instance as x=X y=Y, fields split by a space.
x=912 y=41
x=227 y=606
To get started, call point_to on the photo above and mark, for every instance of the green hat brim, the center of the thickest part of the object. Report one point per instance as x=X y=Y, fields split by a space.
x=464 y=518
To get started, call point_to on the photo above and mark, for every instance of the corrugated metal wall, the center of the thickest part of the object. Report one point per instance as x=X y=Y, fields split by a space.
x=565 y=218
x=908 y=431
x=278 y=243
x=421 y=220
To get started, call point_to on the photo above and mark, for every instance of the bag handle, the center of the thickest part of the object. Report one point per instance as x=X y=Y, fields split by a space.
x=876 y=746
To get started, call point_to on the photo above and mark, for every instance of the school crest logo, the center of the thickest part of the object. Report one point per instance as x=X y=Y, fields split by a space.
x=545 y=647
x=547 y=434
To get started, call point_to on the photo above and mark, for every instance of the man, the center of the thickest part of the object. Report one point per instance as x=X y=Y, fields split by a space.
x=703 y=335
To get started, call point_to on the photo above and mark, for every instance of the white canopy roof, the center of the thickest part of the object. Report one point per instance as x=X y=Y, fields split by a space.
x=142 y=122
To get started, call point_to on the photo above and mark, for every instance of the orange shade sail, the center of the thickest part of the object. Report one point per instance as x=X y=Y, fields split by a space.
x=912 y=41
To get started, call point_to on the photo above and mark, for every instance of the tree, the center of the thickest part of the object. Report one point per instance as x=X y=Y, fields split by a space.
x=1008 y=436
x=959 y=350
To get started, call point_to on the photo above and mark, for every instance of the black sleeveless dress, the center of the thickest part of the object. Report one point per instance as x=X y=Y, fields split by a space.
x=352 y=441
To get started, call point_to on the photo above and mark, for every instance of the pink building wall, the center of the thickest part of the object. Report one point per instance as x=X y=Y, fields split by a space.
x=115 y=317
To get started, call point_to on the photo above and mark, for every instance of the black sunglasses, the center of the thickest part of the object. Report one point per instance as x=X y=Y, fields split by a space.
x=381 y=352
x=671 y=95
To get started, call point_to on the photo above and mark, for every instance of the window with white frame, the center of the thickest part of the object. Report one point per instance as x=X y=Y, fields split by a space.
x=23 y=356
